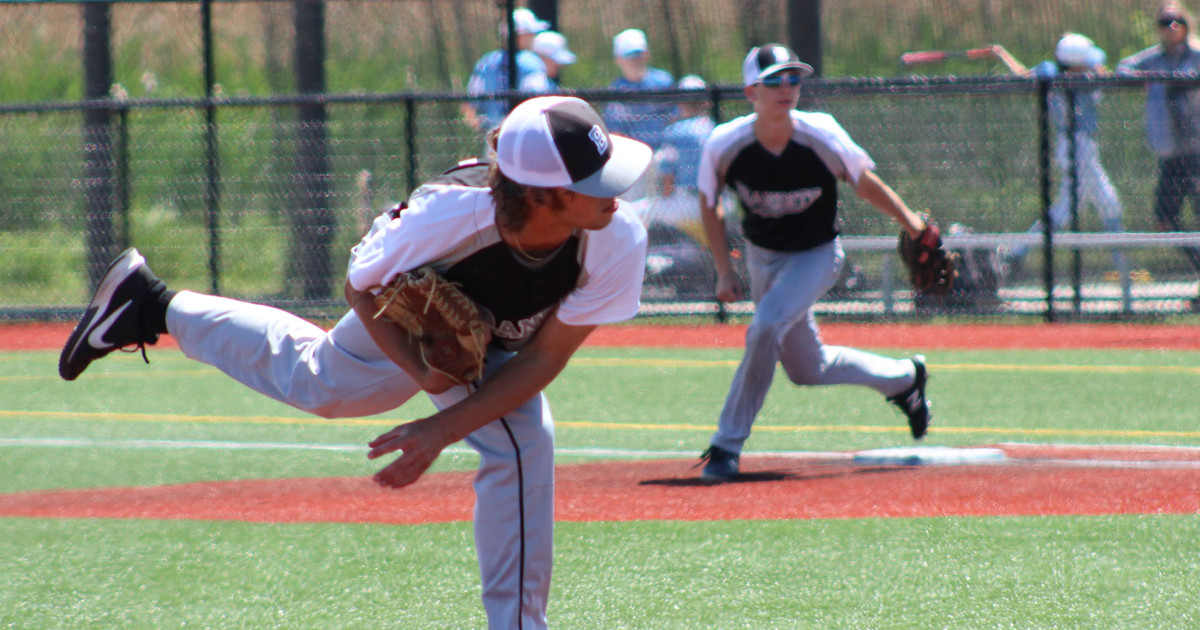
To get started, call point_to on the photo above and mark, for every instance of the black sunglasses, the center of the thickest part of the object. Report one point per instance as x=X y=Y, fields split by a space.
x=776 y=80
x=1169 y=22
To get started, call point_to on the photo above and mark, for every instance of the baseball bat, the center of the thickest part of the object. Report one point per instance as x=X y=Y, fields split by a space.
x=933 y=56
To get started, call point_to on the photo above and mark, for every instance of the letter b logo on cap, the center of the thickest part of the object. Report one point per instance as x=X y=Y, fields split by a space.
x=600 y=138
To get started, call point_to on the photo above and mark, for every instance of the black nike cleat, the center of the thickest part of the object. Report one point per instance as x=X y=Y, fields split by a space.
x=720 y=465
x=111 y=321
x=913 y=402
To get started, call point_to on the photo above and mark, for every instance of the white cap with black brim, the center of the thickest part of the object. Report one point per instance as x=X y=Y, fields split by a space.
x=561 y=142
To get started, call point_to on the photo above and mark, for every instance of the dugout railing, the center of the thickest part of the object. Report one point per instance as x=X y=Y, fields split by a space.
x=208 y=187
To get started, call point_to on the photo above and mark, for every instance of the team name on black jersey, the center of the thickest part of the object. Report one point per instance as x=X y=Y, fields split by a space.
x=789 y=201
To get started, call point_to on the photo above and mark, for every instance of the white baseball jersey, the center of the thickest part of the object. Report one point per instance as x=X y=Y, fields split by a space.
x=594 y=278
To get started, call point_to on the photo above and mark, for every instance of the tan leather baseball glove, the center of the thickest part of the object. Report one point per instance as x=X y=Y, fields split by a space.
x=451 y=330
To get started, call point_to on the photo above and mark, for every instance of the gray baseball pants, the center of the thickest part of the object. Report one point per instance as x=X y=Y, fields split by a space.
x=784 y=287
x=342 y=373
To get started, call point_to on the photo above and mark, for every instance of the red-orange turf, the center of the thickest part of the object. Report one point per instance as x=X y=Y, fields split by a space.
x=908 y=336
x=1033 y=481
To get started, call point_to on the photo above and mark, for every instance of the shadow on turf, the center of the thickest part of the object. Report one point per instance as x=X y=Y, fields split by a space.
x=771 y=475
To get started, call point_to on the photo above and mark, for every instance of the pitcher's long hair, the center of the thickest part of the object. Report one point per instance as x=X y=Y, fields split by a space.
x=514 y=201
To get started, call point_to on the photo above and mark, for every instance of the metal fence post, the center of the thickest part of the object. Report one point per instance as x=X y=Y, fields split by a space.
x=212 y=170
x=410 y=141
x=1073 y=173
x=714 y=95
x=510 y=46
x=97 y=147
x=1044 y=168
x=313 y=221
x=123 y=176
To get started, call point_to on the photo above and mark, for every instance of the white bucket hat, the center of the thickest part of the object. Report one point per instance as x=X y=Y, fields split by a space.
x=1076 y=50
x=630 y=43
x=553 y=44
x=526 y=22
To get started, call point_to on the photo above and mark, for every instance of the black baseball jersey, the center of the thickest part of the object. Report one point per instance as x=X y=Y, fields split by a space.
x=595 y=277
x=788 y=201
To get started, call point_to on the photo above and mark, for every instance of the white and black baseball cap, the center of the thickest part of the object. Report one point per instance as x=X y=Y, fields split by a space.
x=769 y=59
x=561 y=142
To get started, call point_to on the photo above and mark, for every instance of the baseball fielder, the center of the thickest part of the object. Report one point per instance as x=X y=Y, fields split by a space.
x=784 y=167
x=538 y=239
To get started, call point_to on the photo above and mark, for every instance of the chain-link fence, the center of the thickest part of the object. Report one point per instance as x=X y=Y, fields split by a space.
x=225 y=194
x=983 y=156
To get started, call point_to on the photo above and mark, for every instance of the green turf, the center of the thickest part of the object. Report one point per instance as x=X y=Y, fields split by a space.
x=1063 y=572
x=1022 y=572
x=1028 y=572
x=204 y=574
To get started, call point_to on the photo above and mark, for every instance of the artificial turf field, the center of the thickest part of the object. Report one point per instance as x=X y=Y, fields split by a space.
x=125 y=424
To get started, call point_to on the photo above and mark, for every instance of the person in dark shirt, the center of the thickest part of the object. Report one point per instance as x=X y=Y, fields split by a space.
x=1172 y=119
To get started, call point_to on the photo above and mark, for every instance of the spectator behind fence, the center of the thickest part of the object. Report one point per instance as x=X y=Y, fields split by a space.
x=551 y=46
x=641 y=120
x=491 y=73
x=677 y=160
x=1172 y=117
x=1074 y=55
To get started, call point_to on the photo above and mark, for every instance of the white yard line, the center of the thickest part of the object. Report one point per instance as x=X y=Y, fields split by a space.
x=1120 y=459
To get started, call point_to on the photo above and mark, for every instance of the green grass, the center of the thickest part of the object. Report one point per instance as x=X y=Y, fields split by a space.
x=1133 y=571
x=156 y=574
x=1026 y=572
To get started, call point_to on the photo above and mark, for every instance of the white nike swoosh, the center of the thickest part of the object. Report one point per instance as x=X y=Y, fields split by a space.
x=96 y=337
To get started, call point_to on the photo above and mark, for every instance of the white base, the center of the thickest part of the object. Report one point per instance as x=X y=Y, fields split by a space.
x=929 y=456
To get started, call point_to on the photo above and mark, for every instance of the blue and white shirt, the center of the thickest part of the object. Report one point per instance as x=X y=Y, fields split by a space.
x=681 y=148
x=1086 y=119
x=641 y=120
x=491 y=76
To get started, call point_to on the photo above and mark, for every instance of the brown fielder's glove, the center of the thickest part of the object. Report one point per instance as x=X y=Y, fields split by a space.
x=930 y=268
x=451 y=330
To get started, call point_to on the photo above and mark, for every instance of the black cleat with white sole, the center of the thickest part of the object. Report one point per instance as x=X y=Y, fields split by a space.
x=112 y=319
x=913 y=402
x=720 y=465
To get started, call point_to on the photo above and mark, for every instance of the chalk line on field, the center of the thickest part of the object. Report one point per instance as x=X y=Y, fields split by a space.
x=75 y=442
x=610 y=453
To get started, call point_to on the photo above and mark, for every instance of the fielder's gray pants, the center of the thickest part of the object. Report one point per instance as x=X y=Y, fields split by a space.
x=784 y=287
x=342 y=373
